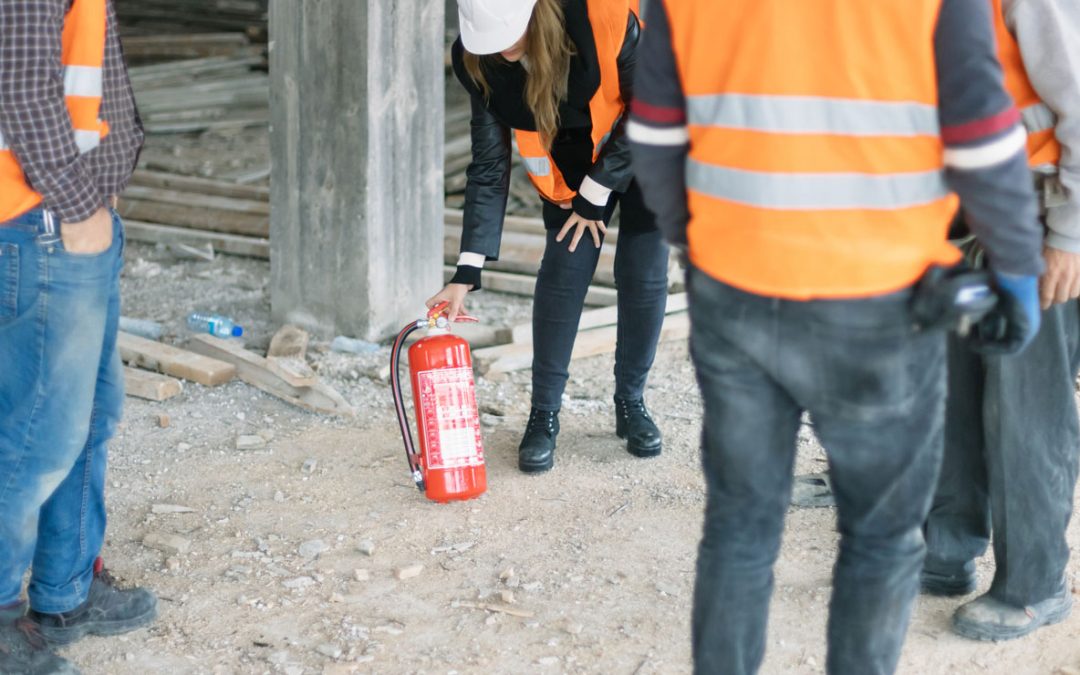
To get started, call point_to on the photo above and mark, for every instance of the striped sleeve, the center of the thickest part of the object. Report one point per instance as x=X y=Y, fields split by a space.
x=985 y=144
x=657 y=128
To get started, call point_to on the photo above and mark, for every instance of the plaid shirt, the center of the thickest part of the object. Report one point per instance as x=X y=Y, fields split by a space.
x=34 y=119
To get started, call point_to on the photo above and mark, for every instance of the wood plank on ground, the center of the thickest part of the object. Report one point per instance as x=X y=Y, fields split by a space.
x=163 y=358
x=253 y=369
x=150 y=386
x=518 y=356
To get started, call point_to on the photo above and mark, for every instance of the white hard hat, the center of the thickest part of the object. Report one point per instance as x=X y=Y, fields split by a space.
x=491 y=26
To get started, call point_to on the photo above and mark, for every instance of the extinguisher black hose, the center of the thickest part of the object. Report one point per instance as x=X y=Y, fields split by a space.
x=399 y=405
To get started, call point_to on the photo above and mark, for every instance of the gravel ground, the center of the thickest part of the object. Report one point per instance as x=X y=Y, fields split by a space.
x=315 y=554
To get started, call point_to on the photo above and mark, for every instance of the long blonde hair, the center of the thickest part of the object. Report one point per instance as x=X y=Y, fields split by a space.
x=549 y=49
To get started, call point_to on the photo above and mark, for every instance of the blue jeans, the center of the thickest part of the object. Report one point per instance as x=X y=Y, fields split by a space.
x=875 y=387
x=641 y=267
x=1012 y=453
x=61 y=395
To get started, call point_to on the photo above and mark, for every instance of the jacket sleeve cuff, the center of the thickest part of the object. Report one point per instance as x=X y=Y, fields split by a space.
x=78 y=199
x=468 y=275
x=1063 y=223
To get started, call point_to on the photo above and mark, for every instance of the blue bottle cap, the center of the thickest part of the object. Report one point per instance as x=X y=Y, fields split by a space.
x=237 y=331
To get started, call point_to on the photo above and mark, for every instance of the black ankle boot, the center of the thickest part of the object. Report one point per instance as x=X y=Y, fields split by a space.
x=537 y=450
x=632 y=422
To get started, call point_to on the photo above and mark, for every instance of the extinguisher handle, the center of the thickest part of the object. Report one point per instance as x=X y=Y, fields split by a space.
x=440 y=309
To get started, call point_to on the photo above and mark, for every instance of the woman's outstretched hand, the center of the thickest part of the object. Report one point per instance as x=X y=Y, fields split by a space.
x=580 y=226
x=454 y=294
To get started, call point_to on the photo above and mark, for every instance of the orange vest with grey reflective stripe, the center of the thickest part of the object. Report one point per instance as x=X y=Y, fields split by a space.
x=1038 y=119
x=608 y=20
x=82 y=57
x=816 y=165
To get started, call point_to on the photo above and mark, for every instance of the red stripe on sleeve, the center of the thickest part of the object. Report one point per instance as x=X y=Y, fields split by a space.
x=988 y=126
x=657 y=114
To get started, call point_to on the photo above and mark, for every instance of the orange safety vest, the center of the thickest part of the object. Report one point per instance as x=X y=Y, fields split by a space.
x=816 y=165
x=82 y=56
x=1038 y=119
x=608 y=19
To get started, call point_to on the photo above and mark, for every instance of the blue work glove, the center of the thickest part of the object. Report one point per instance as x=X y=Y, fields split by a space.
x=1013 y=323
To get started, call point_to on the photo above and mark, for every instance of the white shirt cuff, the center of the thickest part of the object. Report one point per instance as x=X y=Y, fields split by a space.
x=472 y=259
x=595 y=193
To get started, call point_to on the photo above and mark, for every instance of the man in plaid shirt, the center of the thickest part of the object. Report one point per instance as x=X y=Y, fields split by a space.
x=69 y=140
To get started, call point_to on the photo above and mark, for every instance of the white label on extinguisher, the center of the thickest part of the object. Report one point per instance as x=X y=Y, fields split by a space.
x=449 y=421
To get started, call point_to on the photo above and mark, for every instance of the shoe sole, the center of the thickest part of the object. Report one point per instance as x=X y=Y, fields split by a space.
x=535 y=468
x=992 y=633
x=946 y=589
x=67 y=636
x=643 y=451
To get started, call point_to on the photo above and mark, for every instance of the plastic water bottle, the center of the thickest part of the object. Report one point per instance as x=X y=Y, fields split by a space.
x=214 y=324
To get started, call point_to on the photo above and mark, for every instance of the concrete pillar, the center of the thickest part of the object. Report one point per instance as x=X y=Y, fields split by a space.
x=357 y=146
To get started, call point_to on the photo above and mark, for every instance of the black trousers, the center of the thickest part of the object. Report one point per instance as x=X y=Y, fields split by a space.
x=641 y=265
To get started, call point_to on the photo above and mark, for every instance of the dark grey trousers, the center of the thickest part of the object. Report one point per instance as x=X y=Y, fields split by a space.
x=875 y=387
x=1011 y=454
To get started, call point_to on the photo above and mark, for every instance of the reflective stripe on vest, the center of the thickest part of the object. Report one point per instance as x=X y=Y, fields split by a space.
x=1043 y=147
x=813 y=115
x=816 y=191
x=82 y=81
x=816 y=165
x=82 y=56
x=608 y=20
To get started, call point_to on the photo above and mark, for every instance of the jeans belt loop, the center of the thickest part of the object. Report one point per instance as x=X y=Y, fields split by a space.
x=50 y=231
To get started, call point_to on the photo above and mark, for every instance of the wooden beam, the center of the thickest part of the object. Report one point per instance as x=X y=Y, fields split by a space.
x=523 y=224
x=522 y=284
x=253 y=369
x=518 y=356
x=521 y=253
x=597 y=318
x=235 y=244
x=150 y=386
x=200 y=186
x=137 y=351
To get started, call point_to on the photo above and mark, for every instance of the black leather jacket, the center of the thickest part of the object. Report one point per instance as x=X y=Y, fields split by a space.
x=488 y=174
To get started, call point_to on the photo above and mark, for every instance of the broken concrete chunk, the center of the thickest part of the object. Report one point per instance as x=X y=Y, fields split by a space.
x=163 y=509
x=312 y=548
x=250 y=442
x=408 y=572
x=167 y=543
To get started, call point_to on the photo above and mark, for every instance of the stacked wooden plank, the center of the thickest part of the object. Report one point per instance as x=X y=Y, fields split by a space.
x=187 y=16
x=597 y=332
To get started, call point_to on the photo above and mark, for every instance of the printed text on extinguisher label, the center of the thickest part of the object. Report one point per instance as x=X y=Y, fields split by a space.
x=449 y=420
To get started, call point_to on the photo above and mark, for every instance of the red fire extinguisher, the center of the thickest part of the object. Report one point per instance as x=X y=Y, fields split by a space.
x=450 y=464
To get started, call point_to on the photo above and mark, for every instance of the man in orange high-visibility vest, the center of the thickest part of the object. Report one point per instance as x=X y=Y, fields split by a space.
x=1012 y=439
x=69 y=139
x=807 y=156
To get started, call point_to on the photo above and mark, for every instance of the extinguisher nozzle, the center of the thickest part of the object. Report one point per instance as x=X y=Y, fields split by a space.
x=419 y=479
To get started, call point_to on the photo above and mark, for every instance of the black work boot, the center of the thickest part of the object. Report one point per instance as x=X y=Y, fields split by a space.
x=23 y=651
x=537 y=450
x=108 y=610
x=632 y=422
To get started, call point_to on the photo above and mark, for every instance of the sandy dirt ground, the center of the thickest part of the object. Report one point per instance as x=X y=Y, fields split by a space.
x=315 y=554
